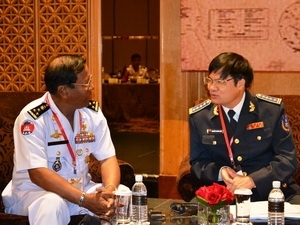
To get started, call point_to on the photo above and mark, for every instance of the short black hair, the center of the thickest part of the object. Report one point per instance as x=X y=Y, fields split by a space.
x=233 y=64
x=135 y=56
x=63 y=70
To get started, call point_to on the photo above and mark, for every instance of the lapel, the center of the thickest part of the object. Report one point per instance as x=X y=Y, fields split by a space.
x=215 y=118
x=249 y=113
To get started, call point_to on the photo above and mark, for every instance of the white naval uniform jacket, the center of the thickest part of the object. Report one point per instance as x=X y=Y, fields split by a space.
x=39 y=143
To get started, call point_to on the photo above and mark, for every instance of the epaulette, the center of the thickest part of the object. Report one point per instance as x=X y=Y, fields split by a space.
x=93 y=105
x=269 y=99
x=38 y=111
x=200 y=106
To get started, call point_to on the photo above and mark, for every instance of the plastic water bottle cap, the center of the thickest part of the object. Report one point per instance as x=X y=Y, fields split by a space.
x=138 y=177
x=276 y=184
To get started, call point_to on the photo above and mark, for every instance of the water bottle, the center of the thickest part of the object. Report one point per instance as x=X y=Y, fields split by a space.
x=276 y=205
x=139 y=200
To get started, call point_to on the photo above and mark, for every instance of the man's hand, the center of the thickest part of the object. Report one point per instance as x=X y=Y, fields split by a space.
x=241 y=181
x=227 y=175
x=101 y=203
x=235 y=181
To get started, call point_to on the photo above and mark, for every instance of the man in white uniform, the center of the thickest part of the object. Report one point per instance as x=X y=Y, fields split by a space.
x=135 y=70
x=53 y=137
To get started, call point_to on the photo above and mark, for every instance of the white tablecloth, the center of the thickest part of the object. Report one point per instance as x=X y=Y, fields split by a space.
x=259 y=211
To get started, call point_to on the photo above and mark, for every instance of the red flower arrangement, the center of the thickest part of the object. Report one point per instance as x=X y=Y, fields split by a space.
x=214 y=196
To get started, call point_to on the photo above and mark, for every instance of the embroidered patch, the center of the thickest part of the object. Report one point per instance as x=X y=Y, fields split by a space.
x=39 y=110
x=27 y=127
x=200 y=106
x=251 y=107
x=56 y=134
x=269 y=98
x=285 y=123
x=256 y=125
x=94 y=105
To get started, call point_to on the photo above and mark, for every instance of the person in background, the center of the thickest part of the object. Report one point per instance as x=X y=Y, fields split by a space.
x=135 y=70
x=248 y=148
x=53 y=138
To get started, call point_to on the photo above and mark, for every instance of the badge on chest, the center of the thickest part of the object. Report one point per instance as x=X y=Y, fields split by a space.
x=85 y=137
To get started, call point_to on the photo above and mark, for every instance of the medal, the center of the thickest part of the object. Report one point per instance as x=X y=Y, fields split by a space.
x=85 y=137
x=83 y=127
x=56 y=134
x=76 y=181
x=56 y=165
x=87 y=159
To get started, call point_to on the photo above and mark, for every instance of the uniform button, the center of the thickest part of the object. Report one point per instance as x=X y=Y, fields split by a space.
x=236 y=141
x=239 y=158
x=214 y=143
x=58 y=153
x=245 y=173
x=259 y=138
x=79 y=152
x=284 y=185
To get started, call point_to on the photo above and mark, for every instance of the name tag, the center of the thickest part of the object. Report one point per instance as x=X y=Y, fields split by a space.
x=213 y=131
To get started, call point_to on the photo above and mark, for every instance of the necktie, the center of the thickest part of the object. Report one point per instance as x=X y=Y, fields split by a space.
x=232 y=122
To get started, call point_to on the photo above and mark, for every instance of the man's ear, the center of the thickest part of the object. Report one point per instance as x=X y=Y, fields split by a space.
x=62 y=91
x=241 y=83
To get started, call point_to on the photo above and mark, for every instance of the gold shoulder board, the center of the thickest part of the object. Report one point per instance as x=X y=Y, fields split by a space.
x=93 y=105
x=39 y=110
x=199 y=107
x=269 y=98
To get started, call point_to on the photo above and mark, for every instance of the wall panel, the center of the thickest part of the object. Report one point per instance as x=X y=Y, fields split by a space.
x=133 y=27
x=153 y=17
x=17 y=46
x=107 y=17
x=107 y=55
x=33 y=33
x=152 y=55
x=131 y=17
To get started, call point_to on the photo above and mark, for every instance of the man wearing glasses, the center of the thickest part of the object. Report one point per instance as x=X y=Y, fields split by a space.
x=54 y=137
x=238 y=139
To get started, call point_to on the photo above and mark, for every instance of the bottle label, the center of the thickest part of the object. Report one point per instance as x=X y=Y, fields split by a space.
x=276 y=206
x=139 y=200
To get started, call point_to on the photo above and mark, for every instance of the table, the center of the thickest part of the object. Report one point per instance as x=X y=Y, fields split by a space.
x=163 y=205
x=124 y=102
